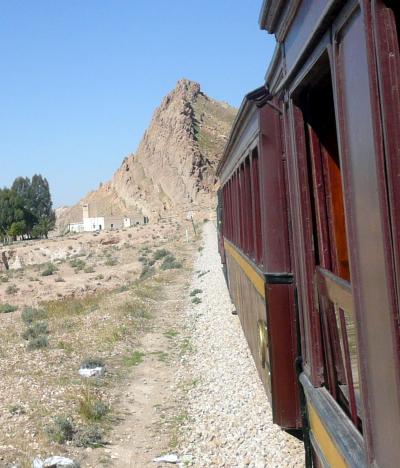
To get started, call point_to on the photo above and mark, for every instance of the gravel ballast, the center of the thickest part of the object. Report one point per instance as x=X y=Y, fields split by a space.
x=229 y=420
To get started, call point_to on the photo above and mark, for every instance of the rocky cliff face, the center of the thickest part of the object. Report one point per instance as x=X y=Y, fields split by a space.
x=174 y=165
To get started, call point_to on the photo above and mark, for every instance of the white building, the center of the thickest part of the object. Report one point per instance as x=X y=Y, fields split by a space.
x=93 y=224
x=76 y=227
x=98 y=223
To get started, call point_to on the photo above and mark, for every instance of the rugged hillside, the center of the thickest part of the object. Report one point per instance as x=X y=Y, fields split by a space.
x=174 y=165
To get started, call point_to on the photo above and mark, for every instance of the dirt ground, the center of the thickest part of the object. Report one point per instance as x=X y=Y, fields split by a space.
x=105 y=260
x=110 y=298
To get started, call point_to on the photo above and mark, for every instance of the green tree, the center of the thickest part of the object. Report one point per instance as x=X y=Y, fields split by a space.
x=12 y=210
x=37 y=201
x=17 y=228
x=22 y=186
x=42 y=228
x=26 y=209
x=40 y=199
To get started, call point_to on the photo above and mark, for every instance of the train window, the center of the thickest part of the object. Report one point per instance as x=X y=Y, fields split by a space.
x=235 y=201
x=238 y=215
x=256 y=214
x=229 y=208
x=332 y=274
x=242 y=204
x=249 y=244
x=324 y=166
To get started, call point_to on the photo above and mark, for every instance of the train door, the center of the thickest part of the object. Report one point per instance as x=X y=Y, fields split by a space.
x=346 y=249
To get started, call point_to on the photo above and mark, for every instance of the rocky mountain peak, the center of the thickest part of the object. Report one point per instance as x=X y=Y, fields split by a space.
x=187 y=88
x=174 y=165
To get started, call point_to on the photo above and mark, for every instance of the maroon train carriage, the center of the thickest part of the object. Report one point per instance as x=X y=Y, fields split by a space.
x=254 y=230
x=310 y=226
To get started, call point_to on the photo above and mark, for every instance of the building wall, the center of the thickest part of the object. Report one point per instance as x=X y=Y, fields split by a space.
x=85 y=211
x=108 y=223
x=76 y=227
x=113 y=222
x=93 y=224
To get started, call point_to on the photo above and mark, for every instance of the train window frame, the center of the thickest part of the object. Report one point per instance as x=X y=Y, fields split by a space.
x=318 y=157
x=386 y=29
x=248 y=209
x=256 y=206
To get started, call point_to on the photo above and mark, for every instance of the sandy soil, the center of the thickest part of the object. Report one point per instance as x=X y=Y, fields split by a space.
x=111 y=314
x=25 y=284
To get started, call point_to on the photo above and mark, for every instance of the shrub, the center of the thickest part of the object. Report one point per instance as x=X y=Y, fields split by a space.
x=195 y=292
x=161 y=253
x=17 y=410
x=89 y=269
x=196 y=300
x=111 y=261
x=91 y=408
x=49 y=269
x=7 y=308
x=61 y=430
x=3 y=279
x=36 y=330
x=38 y=343
x=69 y=306
x=92 y=363
x=136 y=310
x=99 y=277
x=30 y=315
x=59 y=280
x=12 y=289
x=170 y=263
x=78 y=264
x=147 y=272
x=90 y=436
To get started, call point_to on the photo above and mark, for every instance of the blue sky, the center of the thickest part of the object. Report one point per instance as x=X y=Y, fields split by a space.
x=80 y=79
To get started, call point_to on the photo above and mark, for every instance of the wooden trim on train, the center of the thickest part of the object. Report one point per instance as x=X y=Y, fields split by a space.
x=333 y=435
x=255 y=275
x=251 y=271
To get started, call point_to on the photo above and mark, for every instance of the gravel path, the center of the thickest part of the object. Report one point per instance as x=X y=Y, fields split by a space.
x=229 y=419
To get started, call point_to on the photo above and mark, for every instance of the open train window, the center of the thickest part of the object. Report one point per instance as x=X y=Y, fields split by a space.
x=255 y=190
x=326 y=204
x=242 y=204
x=316 y=103
x=249 y=241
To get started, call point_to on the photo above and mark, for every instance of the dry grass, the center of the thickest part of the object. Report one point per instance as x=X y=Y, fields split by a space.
x=45 y=382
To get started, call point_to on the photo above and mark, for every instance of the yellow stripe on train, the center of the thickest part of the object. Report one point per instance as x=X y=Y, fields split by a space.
x=327 y=446
x=246 y=266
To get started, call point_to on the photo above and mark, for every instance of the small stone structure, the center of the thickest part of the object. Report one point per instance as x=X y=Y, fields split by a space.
x=98 y=223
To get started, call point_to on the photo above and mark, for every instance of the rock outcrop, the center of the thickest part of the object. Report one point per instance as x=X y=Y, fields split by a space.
x=174 y=165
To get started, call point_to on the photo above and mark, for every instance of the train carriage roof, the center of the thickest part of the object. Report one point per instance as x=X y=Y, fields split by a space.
x=251 y=101
x=276 y=16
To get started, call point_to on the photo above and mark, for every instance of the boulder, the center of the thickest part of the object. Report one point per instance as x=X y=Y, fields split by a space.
x=93 y=372
x=55 y=462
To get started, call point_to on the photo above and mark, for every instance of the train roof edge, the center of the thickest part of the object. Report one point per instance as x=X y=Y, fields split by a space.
x=276 y=16
x=254 y=99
